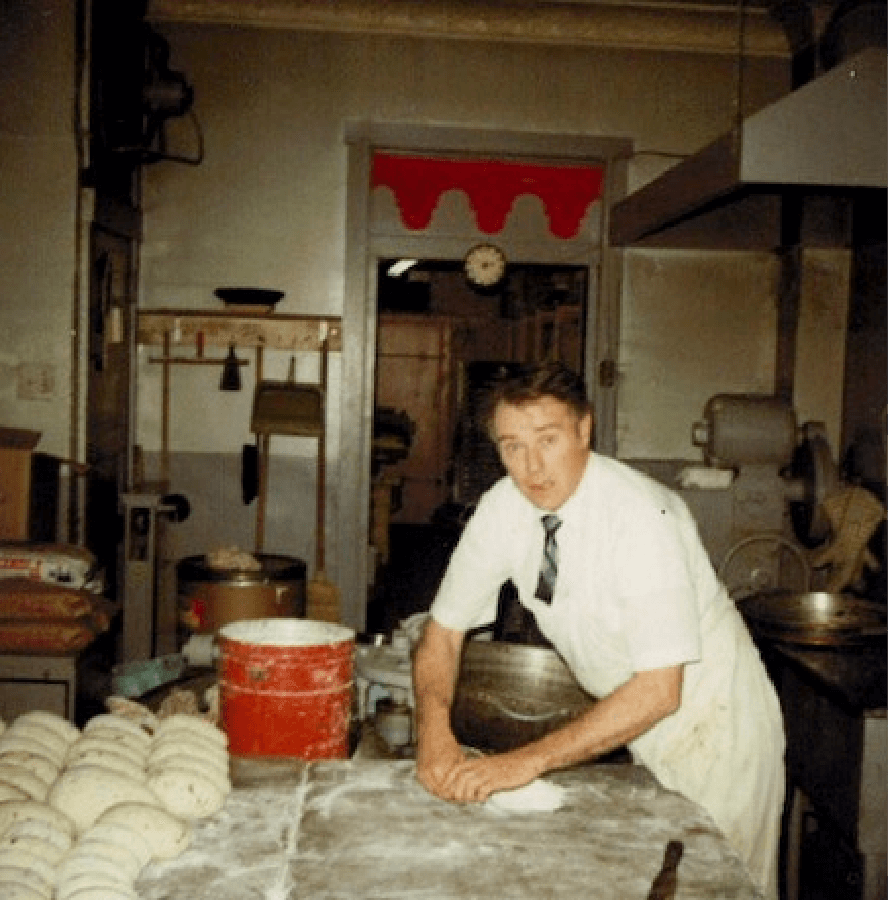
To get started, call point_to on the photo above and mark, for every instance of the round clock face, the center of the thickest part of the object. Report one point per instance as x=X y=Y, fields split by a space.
x=485 y=265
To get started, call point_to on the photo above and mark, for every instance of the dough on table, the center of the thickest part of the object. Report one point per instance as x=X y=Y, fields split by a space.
x=116 y=738
x=41 y=734
x=108 y=759
x=20 y=884
x=94 y=881
x=193 y=743
x=186 y=763
x=166 y=834
x=45 y=769
x=102 y=892
x=13 y=811
x=80 y=862
x=177 y=743
x=11 y=792
x=538 y=796
x=48 y=832
x=41 y=873
x=122 y=857
x=83 y=794
x=42 y=848
x=120 y=723
x=115 y=834
x=13 y=891
x=24 y=779
x=187 y=793
x=194 y=724
x=53 y=721
x=99 y=740
x=11 y=740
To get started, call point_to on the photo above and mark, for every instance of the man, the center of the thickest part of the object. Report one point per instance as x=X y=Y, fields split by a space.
x=636 y=612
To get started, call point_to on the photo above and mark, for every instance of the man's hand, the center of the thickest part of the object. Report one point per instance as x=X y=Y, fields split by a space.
x=475 y=779
x=435 y=665
x=436 y=759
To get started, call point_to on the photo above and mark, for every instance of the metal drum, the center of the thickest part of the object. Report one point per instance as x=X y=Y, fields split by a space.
x=211 y=597
x=510 y=694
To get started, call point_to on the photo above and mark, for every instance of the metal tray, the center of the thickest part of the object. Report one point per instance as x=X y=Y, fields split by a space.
x=815 y=619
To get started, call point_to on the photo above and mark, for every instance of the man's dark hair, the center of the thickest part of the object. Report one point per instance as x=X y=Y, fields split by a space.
x=518 y=386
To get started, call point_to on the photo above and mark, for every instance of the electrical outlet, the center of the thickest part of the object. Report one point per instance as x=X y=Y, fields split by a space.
x=36 y=381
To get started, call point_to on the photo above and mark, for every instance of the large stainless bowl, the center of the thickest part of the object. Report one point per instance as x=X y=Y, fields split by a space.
x=510 y=694
x=814 y=619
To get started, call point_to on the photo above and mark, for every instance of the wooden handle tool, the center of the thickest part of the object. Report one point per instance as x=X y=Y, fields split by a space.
x=665 y=883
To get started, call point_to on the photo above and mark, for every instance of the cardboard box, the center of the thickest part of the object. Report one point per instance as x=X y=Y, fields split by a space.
x=16 y=451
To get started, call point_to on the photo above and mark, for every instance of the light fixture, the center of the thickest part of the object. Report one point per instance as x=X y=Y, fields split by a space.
x=400 y=267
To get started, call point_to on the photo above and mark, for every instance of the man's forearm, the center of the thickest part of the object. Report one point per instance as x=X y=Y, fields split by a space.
x=612 y=722
x=435 y=667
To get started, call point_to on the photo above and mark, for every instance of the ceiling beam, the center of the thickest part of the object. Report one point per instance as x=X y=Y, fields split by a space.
x=704 y=27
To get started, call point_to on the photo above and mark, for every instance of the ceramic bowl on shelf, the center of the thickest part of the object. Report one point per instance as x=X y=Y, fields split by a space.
x=241 y=299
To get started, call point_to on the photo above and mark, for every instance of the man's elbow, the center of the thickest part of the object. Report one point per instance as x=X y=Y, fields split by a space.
x=672 y=690
x=665 y=687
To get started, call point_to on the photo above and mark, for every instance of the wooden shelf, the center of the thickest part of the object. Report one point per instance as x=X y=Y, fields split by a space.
x=220 y=328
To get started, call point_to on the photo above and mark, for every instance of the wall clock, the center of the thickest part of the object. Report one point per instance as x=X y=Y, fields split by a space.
x=485 y=265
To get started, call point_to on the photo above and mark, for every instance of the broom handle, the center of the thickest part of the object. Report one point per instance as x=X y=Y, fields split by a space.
x=322 y=462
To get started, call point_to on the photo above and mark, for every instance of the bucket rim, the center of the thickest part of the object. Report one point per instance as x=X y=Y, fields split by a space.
x=286 y=632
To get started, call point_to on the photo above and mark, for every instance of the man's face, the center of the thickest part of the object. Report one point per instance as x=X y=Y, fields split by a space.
x=544 y=446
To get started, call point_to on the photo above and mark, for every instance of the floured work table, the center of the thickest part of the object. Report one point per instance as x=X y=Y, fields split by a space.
x=365 y=829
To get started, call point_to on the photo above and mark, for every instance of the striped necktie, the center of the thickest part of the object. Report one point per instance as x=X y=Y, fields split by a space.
x=549 y=565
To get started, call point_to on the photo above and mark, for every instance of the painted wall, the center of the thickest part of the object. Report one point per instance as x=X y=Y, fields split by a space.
x=38 y=218
x=267 y=209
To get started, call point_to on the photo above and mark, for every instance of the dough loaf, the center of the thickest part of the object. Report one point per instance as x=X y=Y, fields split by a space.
x=54 y=722
x=187 y=793
x=121 y=836
x=14 y=811
x=83 y=794
x=24 y=779
x=194 y=724
x=167 y=835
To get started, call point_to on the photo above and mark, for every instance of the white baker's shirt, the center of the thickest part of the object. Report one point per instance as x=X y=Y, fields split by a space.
x=636 y=591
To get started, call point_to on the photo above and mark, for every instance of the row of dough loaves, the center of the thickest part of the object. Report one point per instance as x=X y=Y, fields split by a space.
x=82 y=812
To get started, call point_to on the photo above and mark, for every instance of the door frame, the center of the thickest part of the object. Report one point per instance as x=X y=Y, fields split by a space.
x=363 y=249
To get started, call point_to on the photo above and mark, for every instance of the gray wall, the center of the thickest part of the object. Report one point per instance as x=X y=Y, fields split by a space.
x=267 y=209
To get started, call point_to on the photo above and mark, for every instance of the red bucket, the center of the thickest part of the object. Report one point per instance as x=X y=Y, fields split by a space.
x=285 y=687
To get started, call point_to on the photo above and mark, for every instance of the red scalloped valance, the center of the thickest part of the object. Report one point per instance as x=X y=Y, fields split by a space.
x=491 y=186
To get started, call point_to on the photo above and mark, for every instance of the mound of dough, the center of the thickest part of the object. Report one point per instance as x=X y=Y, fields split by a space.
x=33 y=846
x=187 y=793
x=43 y=768
x=18 y=885
x=83 y=794
x=200 y=727
x=42 y=873
x=116 y=835
x=54 y=722
x=13 y=811
x=11 y=792
x=110 y=721
x=538 y=796
x=29 y=743
x=42 y=735
x=14 y=891
x=167 y=835
x=41 y=830
x=23 y=779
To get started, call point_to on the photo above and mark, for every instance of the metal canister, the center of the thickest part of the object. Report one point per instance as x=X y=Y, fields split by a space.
x=210 y=597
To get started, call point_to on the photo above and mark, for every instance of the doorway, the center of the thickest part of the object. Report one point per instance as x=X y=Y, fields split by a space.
x=375 y=236
x=439 y=338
